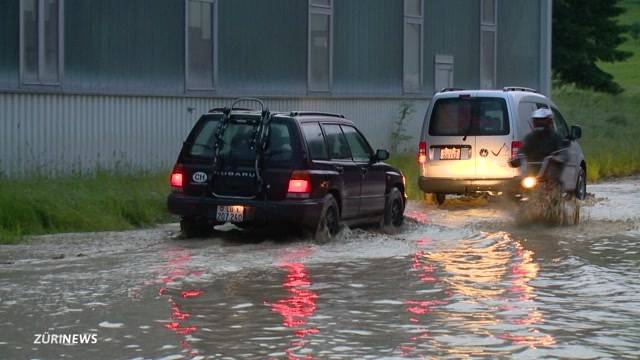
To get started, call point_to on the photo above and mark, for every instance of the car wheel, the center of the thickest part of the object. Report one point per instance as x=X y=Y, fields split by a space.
x=393 y=211
x=329 y=222
x=581 y=185
x=194 y=227
x=440 y=198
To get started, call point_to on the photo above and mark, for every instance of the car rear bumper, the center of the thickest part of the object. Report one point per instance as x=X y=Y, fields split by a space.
x=464 y=186
x=302 y=212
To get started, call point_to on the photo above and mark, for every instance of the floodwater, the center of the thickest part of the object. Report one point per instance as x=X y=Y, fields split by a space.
x=462 y=281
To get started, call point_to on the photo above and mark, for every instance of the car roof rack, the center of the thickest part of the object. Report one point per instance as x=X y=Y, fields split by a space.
x=222 y=109
x=451 y=89
x=315 y=113
x=519 y=88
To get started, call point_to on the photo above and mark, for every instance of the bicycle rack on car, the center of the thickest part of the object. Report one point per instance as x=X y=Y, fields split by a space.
x=259 y=138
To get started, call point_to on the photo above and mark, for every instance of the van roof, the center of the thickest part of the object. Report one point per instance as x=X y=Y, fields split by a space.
x=508 y=92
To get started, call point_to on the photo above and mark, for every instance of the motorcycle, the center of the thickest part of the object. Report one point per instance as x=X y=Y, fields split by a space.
x=543 y=197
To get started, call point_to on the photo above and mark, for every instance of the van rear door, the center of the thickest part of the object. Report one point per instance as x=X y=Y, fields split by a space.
x=450 y=144
x=493 y=138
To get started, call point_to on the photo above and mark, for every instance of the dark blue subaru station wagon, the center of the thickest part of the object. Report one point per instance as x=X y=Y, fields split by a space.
x=312 y=171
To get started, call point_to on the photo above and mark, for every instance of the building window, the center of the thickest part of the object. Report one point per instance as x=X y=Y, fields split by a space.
x=413 y=25
x=200 y=40
x=488 y=40
x=320 y=64
x=41 y=28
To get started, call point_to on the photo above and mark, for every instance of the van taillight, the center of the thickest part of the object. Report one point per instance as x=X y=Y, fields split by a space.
x=177 y=176
x=515 y=147
x=299 y=185
x=422 y=152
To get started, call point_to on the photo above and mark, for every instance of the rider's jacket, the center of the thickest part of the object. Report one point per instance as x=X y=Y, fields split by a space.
x=540 y=143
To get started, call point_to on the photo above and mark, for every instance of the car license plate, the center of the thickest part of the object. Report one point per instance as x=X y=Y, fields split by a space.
x=449 y=153
x=230 y=214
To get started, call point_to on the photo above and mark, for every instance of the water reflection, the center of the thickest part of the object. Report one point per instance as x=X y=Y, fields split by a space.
x=419 y=310
x=301 y=303
x=176 y=270
x=482 y=286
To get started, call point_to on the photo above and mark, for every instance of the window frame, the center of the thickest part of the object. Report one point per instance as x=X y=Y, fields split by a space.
x=364 y=139
x=214 y=47
x=493 y=29
x=41 y=47
x=412 y=19
x=306 y=140
x=323 y=125
x=559 y=120
x=325 y=10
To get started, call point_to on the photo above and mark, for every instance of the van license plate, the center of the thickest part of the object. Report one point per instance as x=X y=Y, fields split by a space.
x=230 y=214
x=449 y=153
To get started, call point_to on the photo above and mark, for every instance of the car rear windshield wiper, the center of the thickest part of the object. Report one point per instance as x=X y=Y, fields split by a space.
x=468 y=131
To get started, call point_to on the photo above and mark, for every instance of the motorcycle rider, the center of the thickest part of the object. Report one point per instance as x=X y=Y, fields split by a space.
x=542 y=142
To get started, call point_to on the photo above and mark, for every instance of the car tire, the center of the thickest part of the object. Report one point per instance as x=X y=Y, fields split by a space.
x=195 y=227
x=440 y=198
x=329 y=221
x=581 y=185
x=393 y=211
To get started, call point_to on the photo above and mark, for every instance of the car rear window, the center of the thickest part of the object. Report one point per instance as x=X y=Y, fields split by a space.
x=237 y=140
x=469 y=116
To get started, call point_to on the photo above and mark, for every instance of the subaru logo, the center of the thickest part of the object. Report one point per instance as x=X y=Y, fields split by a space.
x=199 y=177
x=484 y=152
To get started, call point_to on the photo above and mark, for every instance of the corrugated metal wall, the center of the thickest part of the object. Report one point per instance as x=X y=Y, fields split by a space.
x=519 y=43
x=262 y=46
x=368 y=47
x=452 y=27
x=124 y=46
x=57 y=134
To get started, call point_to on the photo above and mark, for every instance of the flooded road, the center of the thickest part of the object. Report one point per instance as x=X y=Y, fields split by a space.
x=459 y=281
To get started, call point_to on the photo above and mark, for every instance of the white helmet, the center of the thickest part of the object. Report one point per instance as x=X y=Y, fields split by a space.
x=542 y=113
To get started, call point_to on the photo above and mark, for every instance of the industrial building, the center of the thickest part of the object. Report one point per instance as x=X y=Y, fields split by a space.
x=95 y=83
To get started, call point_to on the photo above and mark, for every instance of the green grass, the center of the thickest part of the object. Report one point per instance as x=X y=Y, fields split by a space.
x=611 y=130
x=409 y=166
x=627 y=73
x=105 y=201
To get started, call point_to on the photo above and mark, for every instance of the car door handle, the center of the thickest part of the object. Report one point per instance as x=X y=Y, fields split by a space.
x=364 y=170
x=339 y=169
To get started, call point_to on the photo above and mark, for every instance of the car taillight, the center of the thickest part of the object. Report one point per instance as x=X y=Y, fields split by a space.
x=177 y=176
x=422 y=152
x=515 y=147
x=299 y=185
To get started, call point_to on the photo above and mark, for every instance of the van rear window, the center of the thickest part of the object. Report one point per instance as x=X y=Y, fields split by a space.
x=469 y=116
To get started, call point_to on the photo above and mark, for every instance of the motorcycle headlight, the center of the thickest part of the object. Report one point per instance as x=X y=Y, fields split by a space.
x=529 y=182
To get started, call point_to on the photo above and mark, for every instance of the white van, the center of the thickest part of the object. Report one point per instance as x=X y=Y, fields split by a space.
x=468 y=137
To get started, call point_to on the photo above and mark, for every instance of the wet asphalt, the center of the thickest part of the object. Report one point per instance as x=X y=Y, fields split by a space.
x=459 y=281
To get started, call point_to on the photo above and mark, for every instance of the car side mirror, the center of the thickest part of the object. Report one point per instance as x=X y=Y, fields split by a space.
x=381 y=155
x=576 y=132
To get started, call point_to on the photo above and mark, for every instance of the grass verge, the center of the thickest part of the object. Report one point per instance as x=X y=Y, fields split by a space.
x=104 y=201
x=611 y=131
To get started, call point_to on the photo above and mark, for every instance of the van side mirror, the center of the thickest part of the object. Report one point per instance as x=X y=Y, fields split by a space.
x=381 y=155
x=576 y=132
